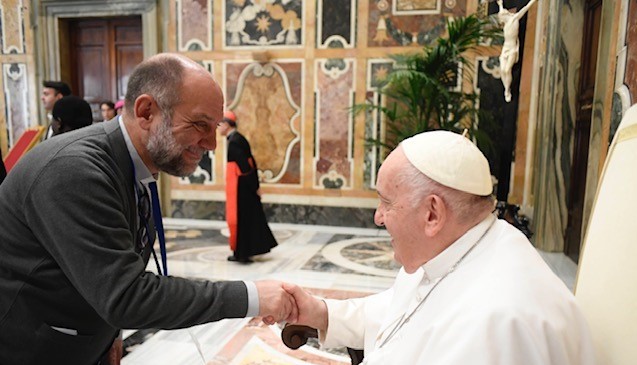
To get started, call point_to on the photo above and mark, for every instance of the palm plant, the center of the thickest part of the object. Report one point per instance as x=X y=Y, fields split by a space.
x=424 y=90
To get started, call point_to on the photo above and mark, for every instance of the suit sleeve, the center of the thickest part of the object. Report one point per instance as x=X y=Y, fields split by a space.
x=82 y=220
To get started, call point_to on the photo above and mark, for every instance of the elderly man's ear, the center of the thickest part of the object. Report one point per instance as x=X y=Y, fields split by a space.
x=435 y=212
x=145 y=109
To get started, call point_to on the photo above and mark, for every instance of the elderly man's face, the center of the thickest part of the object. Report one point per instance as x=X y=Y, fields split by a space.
x=398 y=214
x=177 y=146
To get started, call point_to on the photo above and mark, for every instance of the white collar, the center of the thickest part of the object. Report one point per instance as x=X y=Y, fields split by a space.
x=440 y=265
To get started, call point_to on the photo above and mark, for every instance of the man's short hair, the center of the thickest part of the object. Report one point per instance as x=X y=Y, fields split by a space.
x=161 y=78
x=59 y=87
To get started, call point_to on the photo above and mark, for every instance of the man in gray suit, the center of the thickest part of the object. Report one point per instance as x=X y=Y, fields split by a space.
x=73 y=253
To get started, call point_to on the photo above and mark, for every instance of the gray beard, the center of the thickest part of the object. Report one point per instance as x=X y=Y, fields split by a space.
x=165 y=152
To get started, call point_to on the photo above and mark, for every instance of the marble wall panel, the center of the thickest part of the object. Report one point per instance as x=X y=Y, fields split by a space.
x=377 y=72
x=410 y=23
x=281 y=213
x=267 y=100
x=334 y=89
x=15 y=87
x=204 y=174
x=12 y=39
x=336 y=23
x=194 y=25
x=274 y=23
x=489 y=86
x=630 y=77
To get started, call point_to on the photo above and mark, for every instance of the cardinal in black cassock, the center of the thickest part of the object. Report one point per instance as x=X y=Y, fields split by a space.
x=249 y=231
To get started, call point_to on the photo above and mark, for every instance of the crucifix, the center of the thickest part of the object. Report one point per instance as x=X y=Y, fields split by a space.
x=511 y=48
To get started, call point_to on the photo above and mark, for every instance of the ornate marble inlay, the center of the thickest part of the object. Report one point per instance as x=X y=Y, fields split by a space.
x=194 y=25
x=263 y=23
x=377 y=72
x=412 y=7
x=266 y=99
x=12 y=26
x=366 y=256
x=14 y=79
x=335 y=23
x=409 y=23
x=204 y=174
x=333 y=162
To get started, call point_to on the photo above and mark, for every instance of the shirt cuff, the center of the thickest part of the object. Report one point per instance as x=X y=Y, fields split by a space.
x=253 y=299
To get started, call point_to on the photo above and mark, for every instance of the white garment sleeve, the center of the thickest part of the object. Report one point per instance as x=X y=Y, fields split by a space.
x=354 y=322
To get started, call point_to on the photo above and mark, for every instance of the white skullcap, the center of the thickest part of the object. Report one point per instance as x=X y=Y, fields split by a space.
x=451 y=160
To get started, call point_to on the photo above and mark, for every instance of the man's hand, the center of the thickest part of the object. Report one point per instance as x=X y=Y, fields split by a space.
x=275 y=304
x=311 y=311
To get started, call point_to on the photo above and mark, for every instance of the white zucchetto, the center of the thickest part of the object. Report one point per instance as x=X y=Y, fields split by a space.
x=451 y=160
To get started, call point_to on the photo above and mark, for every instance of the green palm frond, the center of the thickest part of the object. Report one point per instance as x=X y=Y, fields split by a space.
x=422 y=93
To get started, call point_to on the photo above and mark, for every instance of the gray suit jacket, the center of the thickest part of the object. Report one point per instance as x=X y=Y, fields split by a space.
x=68 y=256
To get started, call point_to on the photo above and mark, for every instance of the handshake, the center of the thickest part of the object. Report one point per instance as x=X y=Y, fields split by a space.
x=287 y=302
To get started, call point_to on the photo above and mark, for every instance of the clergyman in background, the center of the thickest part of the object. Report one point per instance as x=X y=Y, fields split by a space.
x=250 y=234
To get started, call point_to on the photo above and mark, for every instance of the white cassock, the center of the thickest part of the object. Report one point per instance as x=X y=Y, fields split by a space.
x=502 y=305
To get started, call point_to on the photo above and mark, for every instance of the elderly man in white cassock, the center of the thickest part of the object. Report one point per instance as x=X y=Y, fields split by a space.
x=472 y=289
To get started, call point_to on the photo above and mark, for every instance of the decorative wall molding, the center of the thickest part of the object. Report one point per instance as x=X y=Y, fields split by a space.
x=336 y=24
x=15 y=83
x=270 y=116
x=194 y=25
x=204 y=174
x=418 y=7
x=377 y=72
x=272 y=24
x=334 y=87
x=12 y=18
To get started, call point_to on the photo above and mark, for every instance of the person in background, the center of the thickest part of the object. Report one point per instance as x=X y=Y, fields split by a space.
x=108 y=110
x=472 y=289
x=249 y=231
x=70 y=113
x=119 y=107
x=52 y=91
x=69 y=284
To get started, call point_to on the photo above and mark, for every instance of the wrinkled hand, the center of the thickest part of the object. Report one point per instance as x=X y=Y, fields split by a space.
x=311 y=311
x=275 y=304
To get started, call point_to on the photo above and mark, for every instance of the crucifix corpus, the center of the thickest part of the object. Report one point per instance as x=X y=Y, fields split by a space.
x=511 y=48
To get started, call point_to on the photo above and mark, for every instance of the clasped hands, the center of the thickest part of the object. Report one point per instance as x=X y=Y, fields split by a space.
x=289 y=303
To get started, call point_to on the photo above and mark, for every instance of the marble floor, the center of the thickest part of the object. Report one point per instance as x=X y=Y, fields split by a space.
x=333 y=262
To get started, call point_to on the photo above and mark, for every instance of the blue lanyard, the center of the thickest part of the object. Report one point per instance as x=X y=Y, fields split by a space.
x=157 y=218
